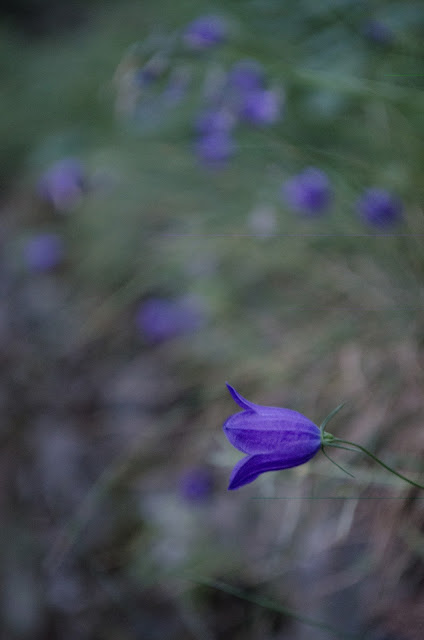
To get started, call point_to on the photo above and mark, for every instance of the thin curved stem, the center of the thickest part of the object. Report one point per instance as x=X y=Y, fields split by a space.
x=340 y=447
x=337 y=465
x=330 y=415
x=380 y=462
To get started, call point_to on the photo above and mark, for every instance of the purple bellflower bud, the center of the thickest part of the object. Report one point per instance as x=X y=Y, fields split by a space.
x=215 y=149
x=261 y=107
x=205 y=32
x=273 y=438
x=63 y=184
x=379 y=208
x=309 y=192
x=246 y=75
x=196 y=485
x=44 y=252
x=160 y=319
x=214 y=120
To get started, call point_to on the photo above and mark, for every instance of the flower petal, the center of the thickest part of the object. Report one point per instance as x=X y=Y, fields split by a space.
x=277 y=431
x=251 y=406
x=249 y=468
x=242 y=402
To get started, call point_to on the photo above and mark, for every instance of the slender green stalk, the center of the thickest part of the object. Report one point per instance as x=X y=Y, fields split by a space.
x=334 y=462
x=344 y=448
x=334 y=442
x=330 y=416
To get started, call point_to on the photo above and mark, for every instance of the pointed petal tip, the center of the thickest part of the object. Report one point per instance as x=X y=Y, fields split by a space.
x=242 y=402
x=233 y=484
x=238 y=476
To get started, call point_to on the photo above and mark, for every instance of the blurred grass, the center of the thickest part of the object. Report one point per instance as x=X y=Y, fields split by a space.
x=353 y=108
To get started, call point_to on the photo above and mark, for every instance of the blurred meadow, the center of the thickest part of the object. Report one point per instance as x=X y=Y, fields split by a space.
x=194 y=193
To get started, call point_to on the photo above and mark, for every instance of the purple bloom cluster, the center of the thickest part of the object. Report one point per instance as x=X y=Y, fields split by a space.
x=273 y=438
x=215 y=144
x=215 y=148
x=62 y=185
x=309 y=192
x=214 y=121
x=160 y=319
x=246 y=75
x=250 y=98
x=240 y=96
x=379 y=208
x=244 y=98
x=261 y=107
x=44 y=252
x=205 y=32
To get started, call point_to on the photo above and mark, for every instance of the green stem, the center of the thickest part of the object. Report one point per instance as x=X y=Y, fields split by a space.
x=371 y=455
x=344 y=448
x=334 y=462
x=328 y=418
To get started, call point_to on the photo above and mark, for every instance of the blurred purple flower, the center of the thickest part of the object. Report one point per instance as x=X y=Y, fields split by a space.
x=213 y=121
x=246 y=75
x=196 y=485
x=63 y=184
x=215 y=149
x=379 y=208
x=44 y=251
x=161 y=319
x=309 y=192
x=261 y=107
x=273 y=438
x=205 y=32
x=377 y=32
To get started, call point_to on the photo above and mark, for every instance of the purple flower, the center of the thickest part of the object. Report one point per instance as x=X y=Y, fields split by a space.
x=205 y=32
x=379 y=208
x=196 y=485
x=246 y=75
x=273 y=438
x=215 y=149
x=160 y=319
x=62 y=184
x=213 y=121
x=261 y=107
x=309 y=192
x=44 y=252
